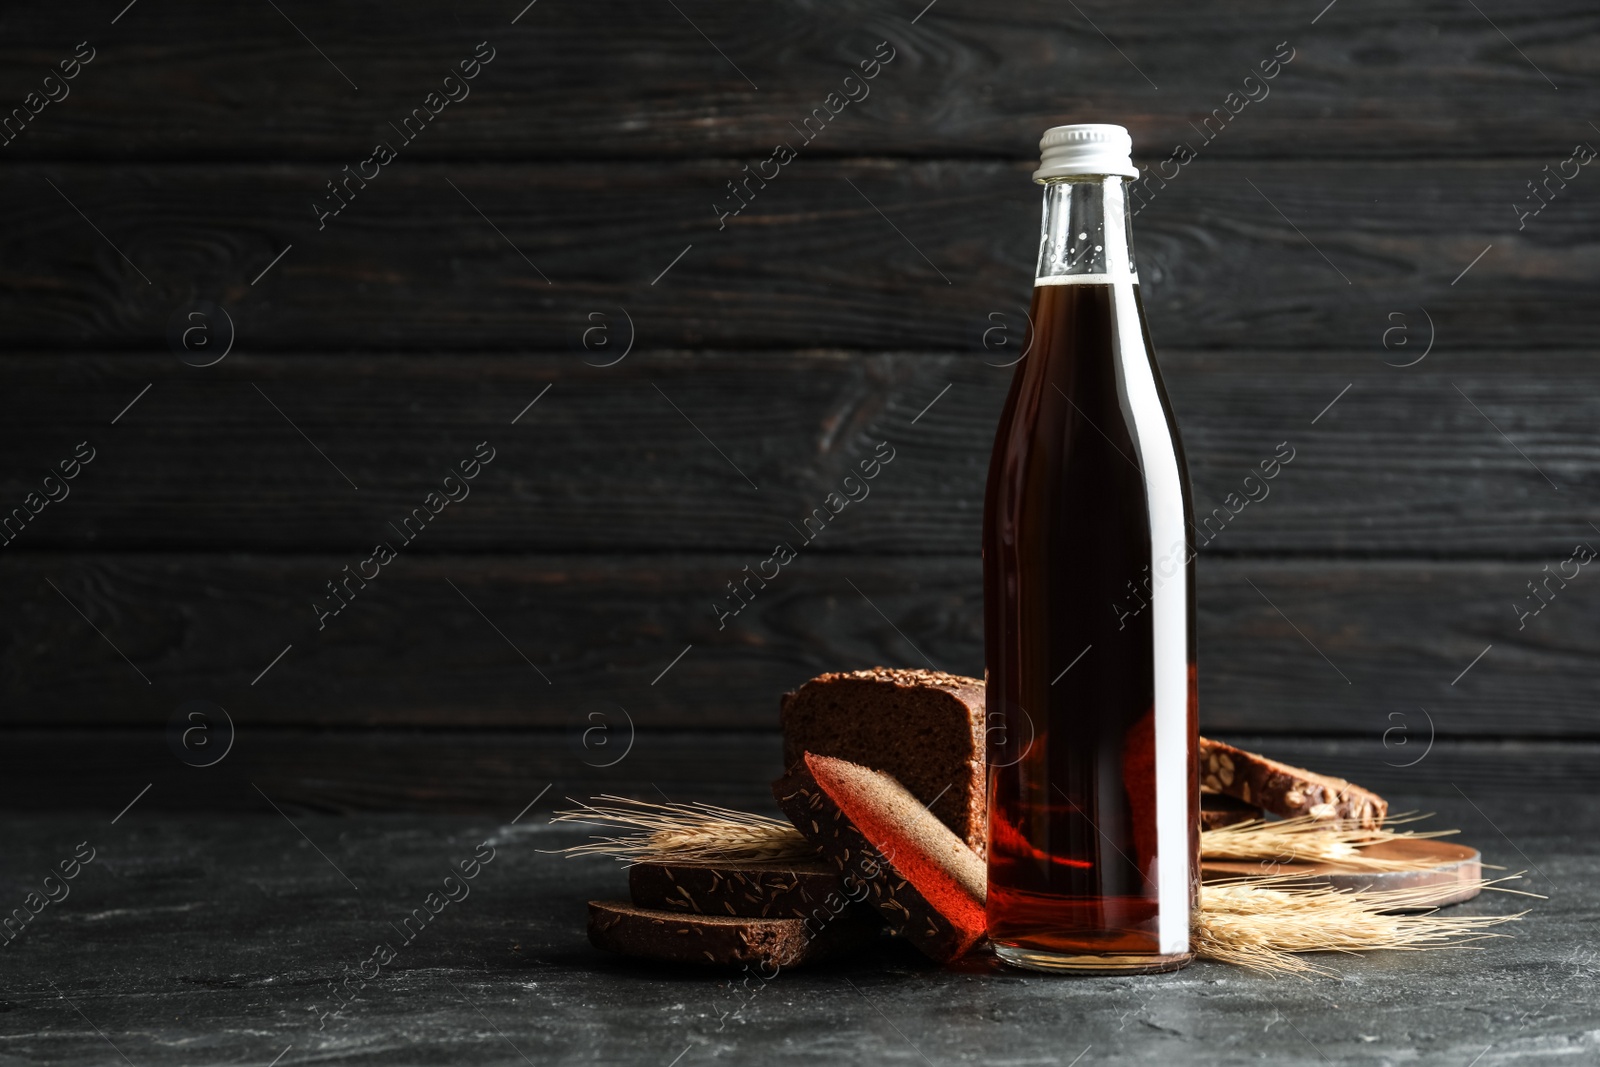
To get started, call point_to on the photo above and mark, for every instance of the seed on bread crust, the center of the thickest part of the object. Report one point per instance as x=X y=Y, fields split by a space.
x=1283 y=789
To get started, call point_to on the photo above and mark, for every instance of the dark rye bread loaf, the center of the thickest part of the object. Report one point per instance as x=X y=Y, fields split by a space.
x=791 y=890
x=1285 y=790
x=724 y=941
x=923 y=728
x=925 y=882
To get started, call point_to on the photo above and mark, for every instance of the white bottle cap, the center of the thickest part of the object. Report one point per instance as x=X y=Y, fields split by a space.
x=1087 y=148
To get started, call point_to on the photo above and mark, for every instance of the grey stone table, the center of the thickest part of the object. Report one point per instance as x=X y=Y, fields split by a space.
x=213 y=940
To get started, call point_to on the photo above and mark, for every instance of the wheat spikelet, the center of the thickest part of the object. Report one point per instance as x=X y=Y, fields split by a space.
x=1265 y=923
x=1308 y=839
x=685 y=833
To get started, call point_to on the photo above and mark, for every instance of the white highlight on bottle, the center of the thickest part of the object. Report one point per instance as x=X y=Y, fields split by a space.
x=1169 y=610
x=1169 y=625
x=1086 y=279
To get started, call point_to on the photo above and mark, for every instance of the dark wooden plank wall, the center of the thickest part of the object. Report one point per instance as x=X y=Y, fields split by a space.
x=1367 y=209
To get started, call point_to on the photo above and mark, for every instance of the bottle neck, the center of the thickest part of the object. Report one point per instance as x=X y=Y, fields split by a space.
x=1087 y=229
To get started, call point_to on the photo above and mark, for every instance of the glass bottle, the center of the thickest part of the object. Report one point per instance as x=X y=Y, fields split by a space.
x=1089 y=606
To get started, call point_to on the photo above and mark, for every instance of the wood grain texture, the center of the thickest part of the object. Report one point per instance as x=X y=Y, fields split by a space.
x=1355 y=648
x=1258 y=255
x=629 y=78
x=1449 y=872
x=1376 y=189
x=1408 y=461
x=500 y=772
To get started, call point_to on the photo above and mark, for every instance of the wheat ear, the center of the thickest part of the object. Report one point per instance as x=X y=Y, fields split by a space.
x=685 y=833
x=1266 y=923
x=1308 y=839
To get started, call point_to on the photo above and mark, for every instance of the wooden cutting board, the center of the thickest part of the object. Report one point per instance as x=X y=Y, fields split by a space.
x=1452 y=870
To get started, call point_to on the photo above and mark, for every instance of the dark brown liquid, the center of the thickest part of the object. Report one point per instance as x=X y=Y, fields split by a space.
x=1071 y=653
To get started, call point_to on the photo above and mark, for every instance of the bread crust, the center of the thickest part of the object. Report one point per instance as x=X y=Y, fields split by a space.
x=1217 y=811
x=924 y=728
x=927 y=885
x=1283 y=789
x=723 y=941
x=754 y=891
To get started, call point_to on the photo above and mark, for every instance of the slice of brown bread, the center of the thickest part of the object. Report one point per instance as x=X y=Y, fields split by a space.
x=927 y=884
x=924 y=728
x=757 y=891
x=1217 y=811
x=1283 y=789
x=723 y=941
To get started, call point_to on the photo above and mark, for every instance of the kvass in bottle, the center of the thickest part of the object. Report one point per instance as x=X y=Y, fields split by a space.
x=1089 y=606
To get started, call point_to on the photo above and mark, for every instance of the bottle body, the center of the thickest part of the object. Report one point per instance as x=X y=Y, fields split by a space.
x=1089 y=622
